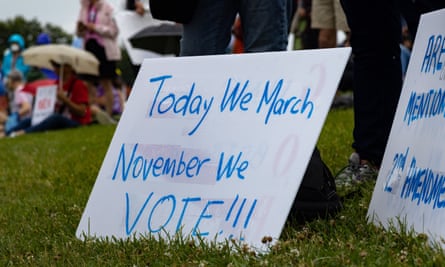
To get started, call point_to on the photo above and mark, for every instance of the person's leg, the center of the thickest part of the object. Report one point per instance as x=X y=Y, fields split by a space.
x=265 y=24
x=323 y=19
x=327 y=38
x=101 y=116
x=53 y=122
x=107 y=71
x=375 y=38
x=23 y=124
x=108 y=94
x=340 y=23
x=209 y=31
x=92 y=91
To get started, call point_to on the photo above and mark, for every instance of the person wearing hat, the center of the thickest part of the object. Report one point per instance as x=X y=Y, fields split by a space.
x=20 y=103
x=12 y=58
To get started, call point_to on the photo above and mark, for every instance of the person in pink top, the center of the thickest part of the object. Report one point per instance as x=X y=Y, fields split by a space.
x=97 y=27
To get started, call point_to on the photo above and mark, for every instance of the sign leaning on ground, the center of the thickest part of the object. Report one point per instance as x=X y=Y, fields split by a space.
x=214 y=146
x=411 y=184
x=44 y=103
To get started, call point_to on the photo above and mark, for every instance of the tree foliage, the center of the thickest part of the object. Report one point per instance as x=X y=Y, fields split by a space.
x=30 y=29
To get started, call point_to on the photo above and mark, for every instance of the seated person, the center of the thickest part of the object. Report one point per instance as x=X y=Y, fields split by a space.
x=118 y=103
x=20 y=103
x=98 y=106
x=13 y=58
x=72 y=108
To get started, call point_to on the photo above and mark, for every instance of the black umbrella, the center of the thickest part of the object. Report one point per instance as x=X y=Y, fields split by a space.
x=162 y=39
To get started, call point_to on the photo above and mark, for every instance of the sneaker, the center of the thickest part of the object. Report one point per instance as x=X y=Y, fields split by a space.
x=103 y=118
x=343 y=101
x=356 y=172
x=16 y=133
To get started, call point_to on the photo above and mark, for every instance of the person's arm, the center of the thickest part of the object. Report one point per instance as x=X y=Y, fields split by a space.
x=81 y=23
x=78 y=109
x=139 y=7
x=121 y=100
x=25 y=108
x=105 y=24
x=24 y=102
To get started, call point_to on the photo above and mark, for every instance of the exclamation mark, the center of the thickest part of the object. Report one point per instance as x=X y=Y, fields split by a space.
x=240 y=211
x=231 y=207
x=235 y=222
x=249 y=215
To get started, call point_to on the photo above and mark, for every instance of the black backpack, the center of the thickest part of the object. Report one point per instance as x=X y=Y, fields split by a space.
x=317 y=196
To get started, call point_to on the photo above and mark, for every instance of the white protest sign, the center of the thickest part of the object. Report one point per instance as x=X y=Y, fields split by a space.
x=214 y=146
x=44 y=103
x=411 y=183
x=130 y=22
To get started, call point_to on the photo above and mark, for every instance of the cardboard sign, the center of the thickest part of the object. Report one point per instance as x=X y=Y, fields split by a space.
x=214 y=146
x=410 y=186
x=44 y=103
x=129 y=24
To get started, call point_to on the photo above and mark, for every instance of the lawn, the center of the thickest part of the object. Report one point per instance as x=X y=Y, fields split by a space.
x=46 y=179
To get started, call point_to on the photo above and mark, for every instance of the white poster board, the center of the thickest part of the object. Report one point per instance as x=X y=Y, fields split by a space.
x=411 y=184
x=213 y=145
x=44 y=103
x=131 y=23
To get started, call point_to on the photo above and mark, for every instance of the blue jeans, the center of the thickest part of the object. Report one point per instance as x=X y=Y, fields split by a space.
x=265 y=26
x=53 y=122
x=23 y=124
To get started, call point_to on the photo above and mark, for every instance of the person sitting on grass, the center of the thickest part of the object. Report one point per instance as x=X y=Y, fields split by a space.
x=72 y=107
x=20 y=103
x=98 y=106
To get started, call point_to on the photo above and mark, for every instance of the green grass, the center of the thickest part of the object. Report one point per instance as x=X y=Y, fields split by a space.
x=46 y=179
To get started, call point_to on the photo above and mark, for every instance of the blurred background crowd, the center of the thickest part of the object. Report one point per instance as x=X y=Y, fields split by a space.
x=108 y=32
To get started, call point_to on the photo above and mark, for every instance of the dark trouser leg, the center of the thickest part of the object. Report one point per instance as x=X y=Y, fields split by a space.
x=375 y=38
x=53 y=122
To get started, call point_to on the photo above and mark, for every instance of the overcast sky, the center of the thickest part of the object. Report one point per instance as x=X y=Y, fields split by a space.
x=58 y=12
